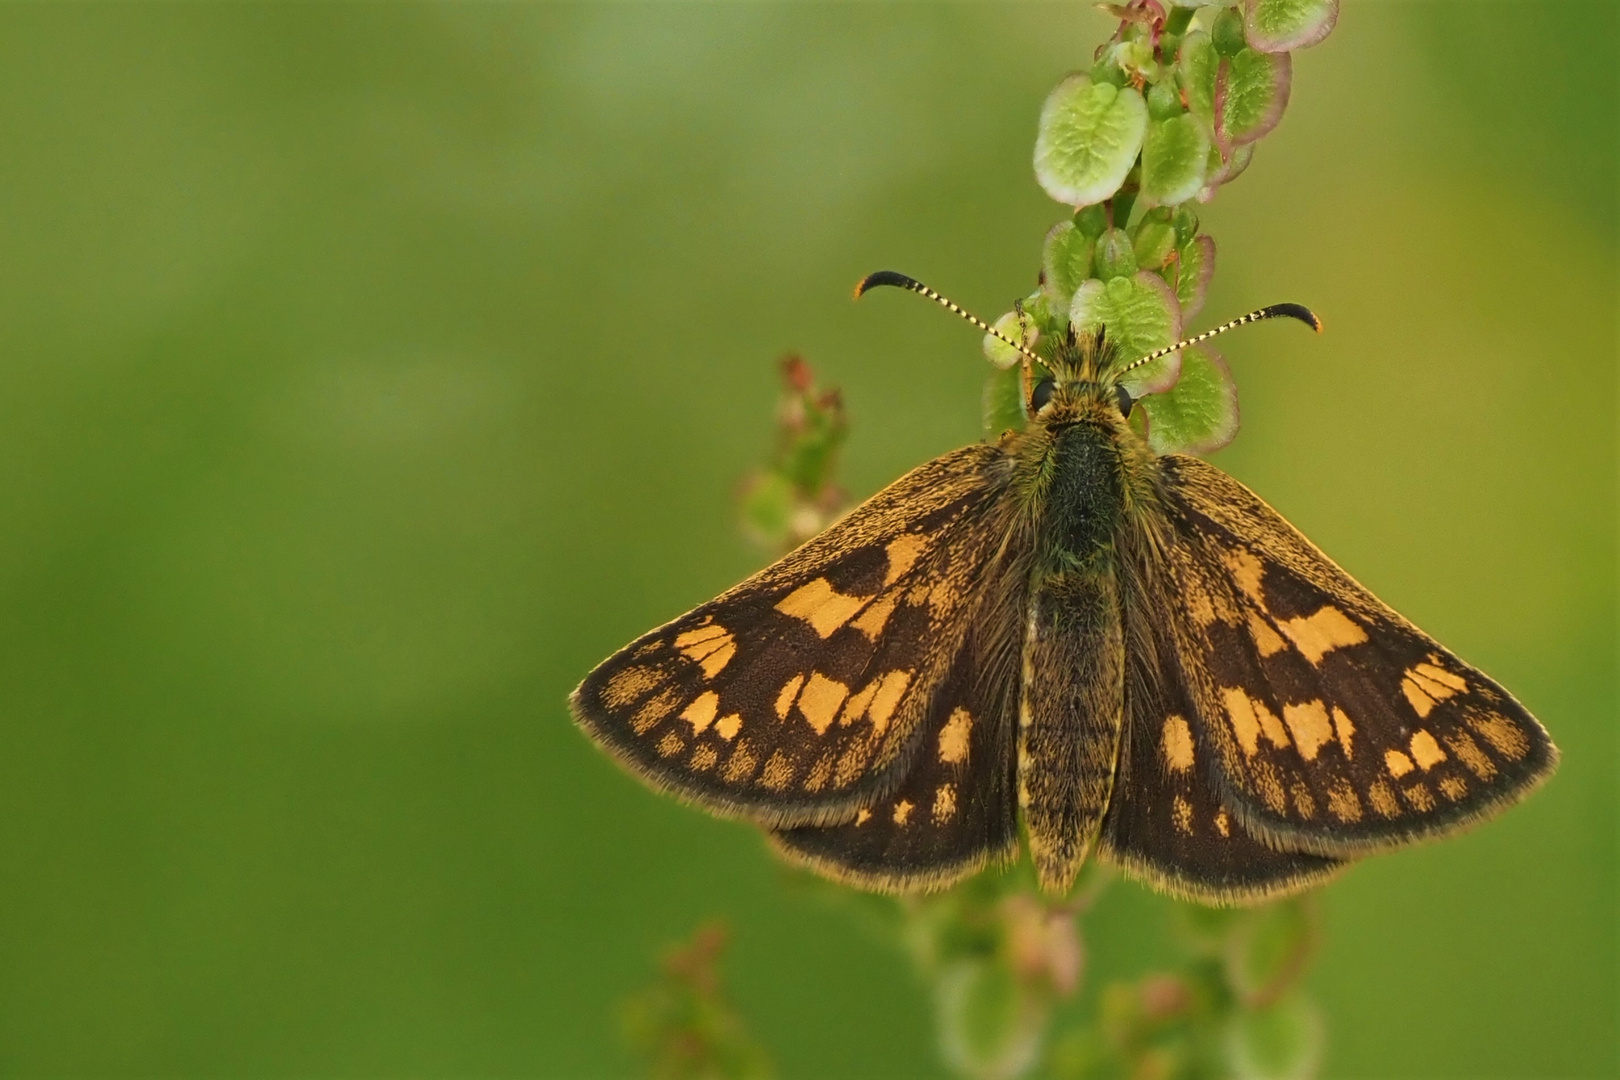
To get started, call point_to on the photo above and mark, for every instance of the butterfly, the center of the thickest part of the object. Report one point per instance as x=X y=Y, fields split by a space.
x=1125 y=654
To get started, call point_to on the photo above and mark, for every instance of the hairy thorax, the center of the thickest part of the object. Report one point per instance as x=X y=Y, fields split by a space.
x=1091 y=475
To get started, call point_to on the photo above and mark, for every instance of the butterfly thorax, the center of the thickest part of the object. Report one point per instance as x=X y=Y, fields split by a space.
x=1084 y=474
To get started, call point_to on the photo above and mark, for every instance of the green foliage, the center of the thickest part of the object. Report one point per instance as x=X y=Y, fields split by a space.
x=1141 y=314
x=1169 y=112
x=1202 y=1016
x=1090 y=134
x=683 y=1025
x=1175 y=157
x=1065 y=262
x=796 y=495
x=1281 y=25
x=1202 y=413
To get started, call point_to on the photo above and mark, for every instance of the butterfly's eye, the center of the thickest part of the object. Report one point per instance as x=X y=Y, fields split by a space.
x=1123 y=396
x=1042 y=393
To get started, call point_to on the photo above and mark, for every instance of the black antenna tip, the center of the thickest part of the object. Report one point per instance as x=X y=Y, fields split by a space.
x=1295 y=311
x=885 y=277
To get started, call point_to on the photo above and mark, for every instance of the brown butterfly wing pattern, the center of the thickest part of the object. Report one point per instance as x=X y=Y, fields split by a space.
x=1168 y=822
x=1326 y=722
x=957 y=808
x=797 y=697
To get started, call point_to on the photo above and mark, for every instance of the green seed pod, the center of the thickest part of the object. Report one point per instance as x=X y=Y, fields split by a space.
x=1159 y=214
x=1115 y=256
x=1091 y=220
x=1169 y=48
x=1186 y=223
x=1106 y=70
x=1155 y=240
x=1228 y=33
x=1164 y=101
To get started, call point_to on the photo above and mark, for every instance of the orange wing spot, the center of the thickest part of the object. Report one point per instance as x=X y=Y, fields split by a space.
x=1442 y=676
x=1426 y=686
x=1303 y=801
x=778 y=772
x=708 y=632
x=1425 y=751
x=1181 y=812
x=1247 y=571
x=653 y=710
x=1321 y=633
x=1270 y=786
x=1383 y=799
x=1199 y=604
x=1176 y=741
x=671 y=744
x=741 y=764
x=820 y=605
x=856 y=706
x=630 y=685
x=953 y=737
x=903 y=551
x=942 y=599
x=1453 y=787
x=1267 y=640
x=862 y=816
x=872 y=620
x=852 y=762
x=1223 y=824
x=1270 y=726
x=701 y=711
x=944 y=803
x=820 y=773
x=704 y=757
x=1503 y=735
x=1421 y=798
x=1397 y=763
x=711 y=647
x=902 y=811
x=1469 y=753
x=728 y=726
x=1342 y=801
x=1309 y=725
x=716 y=661
x=887 y=697
x=1421 y=702
x=1245 y=725
x=789 y=692
x=1343 y=730
x=819 y=701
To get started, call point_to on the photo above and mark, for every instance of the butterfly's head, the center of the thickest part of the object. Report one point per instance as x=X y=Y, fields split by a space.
x=1080 y=381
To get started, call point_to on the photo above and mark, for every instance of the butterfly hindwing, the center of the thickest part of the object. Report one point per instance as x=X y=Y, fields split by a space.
x=1167 y=822
x=956 y=810
x=793 y=698
x=1335 y=725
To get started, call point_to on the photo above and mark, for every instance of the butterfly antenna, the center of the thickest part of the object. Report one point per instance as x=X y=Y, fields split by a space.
x=889 y=277
x=1291 y=311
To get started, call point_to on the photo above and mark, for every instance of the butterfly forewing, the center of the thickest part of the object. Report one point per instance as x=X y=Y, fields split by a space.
x=956 y=810
x=1335 y=725
x=794 y=697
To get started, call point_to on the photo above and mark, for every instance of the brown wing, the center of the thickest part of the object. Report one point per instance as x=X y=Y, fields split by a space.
x=956 y=810
x=1167 y=823
x=793 y=698
x=1333 y=725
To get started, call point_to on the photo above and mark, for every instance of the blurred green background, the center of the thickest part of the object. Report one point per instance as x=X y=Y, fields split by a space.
x=369 y=372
